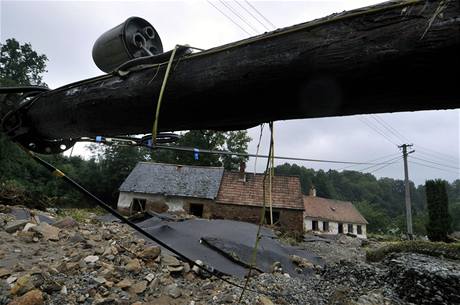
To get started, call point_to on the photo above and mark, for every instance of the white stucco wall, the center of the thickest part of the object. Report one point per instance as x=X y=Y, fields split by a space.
x=125 y=200
x=333 y=227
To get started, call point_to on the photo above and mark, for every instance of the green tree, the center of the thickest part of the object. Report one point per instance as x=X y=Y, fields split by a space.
x=438 y=210
x=379 y=221
x=235 y=141
x=20 y=64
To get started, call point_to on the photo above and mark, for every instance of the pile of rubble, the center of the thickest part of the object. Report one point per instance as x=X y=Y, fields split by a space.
x=62 y=261
x=425 y=280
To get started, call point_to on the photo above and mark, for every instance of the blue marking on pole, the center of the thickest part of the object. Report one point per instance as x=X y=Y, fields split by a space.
x=196 y=153
x=99 y=139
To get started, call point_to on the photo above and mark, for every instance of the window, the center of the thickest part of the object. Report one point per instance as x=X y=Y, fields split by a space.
x=314 y=225
x=359 y=229
x=350 y=228
x=325 y=226
x=196 y=209
x=340 y=227
x=276 y=217
x=138 y=205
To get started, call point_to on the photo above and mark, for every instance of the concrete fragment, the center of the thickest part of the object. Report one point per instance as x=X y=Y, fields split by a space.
x=91 y=259
x=15 y=225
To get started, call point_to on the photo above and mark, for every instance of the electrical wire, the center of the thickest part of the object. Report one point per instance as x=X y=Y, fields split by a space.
x=386 y=163
x=372 y=160
x=137 y=141
x=260 y=14
x=384 y=166
x=213 y=272
x=389 y=128
x=377 y=130
x=252 y=15
x=234 y=12
x=437 y=154
x=436 y=163
x=229 y=18
x=434 y=167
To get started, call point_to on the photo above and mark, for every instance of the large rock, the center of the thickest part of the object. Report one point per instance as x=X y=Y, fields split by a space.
x=133 y=266
x=138 y=287
x=33 y=297
x=173 y=291
x=150 y=253
x=22 y=285
x=67 y=222
x=47 y=231
x=15 y=225
x=169 y=260
x=125 y=283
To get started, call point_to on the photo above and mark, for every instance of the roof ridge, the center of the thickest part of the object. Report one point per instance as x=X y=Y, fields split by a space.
x=180 y=165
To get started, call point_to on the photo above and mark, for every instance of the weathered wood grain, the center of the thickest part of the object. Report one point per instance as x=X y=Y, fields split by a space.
x=351 y=63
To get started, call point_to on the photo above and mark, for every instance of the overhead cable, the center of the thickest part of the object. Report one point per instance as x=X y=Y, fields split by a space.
x=229 y=18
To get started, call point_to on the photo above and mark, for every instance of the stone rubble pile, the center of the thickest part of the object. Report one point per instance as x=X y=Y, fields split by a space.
x=425 y=280
x=95 y=262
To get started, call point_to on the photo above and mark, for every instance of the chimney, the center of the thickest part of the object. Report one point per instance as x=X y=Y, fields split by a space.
x=243 y=171
x=242 y=167
x=312 y=191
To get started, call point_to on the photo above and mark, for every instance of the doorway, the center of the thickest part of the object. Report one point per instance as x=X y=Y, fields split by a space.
x=196 y=209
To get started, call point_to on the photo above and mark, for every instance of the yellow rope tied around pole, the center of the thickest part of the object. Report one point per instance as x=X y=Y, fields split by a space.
x=160 y=97
x=262 y=214
x=271 y=174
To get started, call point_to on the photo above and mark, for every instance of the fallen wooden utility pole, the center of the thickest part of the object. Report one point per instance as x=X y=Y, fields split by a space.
x=395 y=56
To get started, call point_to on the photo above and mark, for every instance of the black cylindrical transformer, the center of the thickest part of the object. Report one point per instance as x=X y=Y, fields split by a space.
x=132 y=39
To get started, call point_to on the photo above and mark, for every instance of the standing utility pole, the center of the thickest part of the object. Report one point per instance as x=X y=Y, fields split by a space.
x=407 y=189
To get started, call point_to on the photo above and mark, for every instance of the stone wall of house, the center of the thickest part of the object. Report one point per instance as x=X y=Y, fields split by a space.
x=333 y=227
x=289 y=219
x=161 y=203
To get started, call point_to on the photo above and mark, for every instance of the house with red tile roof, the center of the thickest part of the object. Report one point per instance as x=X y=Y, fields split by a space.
x=211 y=192
x=328 y=216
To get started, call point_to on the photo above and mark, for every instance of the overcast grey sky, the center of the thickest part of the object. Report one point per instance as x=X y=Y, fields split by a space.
x=66 y=30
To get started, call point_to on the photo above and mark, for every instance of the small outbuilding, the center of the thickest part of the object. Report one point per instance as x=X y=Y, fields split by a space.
x=328 y=216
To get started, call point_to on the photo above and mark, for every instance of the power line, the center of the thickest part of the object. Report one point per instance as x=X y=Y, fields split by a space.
x=252 y=15
x=229 y=18
x=388 y=127
x=131 y=141
x=440 y=164
x=433 y=152
x=239 y=16
x=382 y=167
x=372 y=160
x=377 y=130
x=260 y=14
x=384 y=163
x=441 y=169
